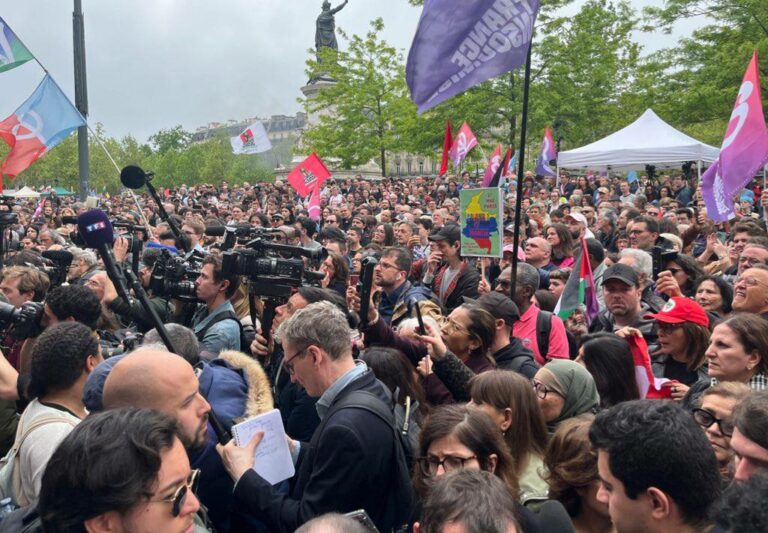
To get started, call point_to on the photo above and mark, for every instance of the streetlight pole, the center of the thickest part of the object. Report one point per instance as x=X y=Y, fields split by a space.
x=81 y=95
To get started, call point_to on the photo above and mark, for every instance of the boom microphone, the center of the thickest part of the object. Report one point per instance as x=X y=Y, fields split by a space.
x=96 y=230
x=133 y=177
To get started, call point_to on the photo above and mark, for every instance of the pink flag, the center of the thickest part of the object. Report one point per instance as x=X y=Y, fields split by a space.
x=465 y=140
x=493 y=166
x=314 y=204
x=744 y=150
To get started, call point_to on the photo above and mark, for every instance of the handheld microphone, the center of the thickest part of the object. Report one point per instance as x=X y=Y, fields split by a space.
x=96 y=230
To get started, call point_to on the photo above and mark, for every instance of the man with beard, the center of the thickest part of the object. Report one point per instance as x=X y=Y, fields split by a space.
x=398 y=294
x=623 y=306
x=151 y=378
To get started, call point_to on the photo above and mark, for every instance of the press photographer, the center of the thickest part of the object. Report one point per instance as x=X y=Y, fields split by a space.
x=131 y=313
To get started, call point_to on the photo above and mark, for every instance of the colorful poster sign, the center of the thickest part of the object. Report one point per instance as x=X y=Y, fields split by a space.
x=482 y=220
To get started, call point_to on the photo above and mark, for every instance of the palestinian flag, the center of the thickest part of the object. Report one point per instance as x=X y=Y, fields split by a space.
x=579 y=289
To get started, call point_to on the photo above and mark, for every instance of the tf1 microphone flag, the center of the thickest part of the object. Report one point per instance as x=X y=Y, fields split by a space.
x=547 y=154
x=460 y=44
x=447 y=142
x=39 y=124
x=464 y=142
x=254 y=140
x=744 y=150
x=12 y=52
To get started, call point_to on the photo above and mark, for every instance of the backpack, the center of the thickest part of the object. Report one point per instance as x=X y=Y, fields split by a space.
x=246 y=336
x=359 y=399
x=543 y=331
x=10 y=476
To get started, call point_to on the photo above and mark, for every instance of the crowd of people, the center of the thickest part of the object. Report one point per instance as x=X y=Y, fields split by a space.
x=459 y=402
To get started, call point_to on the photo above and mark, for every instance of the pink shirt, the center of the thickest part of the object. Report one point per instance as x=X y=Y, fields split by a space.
x=525 y=330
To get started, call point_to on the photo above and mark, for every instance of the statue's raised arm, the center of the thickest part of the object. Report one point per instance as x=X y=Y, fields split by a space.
x=325 y=34
x=339 y=8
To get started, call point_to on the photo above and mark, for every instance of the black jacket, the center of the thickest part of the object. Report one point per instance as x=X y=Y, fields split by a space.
x=466 y=285
x=348 y=465
x=134 y=312
x=515 y=356
x=297 y=408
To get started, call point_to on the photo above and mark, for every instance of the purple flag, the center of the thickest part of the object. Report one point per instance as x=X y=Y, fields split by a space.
x=459 y=44
x=547 y=154
x=744 y=150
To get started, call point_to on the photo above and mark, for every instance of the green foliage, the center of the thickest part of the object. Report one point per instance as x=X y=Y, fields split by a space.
x=360 y=114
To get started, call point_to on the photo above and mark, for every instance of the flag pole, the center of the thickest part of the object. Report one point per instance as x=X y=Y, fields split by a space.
x=520 y=170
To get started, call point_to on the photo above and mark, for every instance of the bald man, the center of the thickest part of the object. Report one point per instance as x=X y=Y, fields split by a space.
x=155 y=379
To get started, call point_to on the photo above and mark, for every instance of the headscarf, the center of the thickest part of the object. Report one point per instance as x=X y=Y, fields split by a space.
x=575 y=384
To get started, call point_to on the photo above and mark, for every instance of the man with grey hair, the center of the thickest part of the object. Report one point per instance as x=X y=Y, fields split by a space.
x=354 y=460
x=642 y=262
x=540 y=331
x=84 y=265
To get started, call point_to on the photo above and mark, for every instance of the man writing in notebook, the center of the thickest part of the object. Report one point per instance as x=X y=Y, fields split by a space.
x=351 y=461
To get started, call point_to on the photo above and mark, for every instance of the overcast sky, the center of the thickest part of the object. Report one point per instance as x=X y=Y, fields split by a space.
x=153 y=64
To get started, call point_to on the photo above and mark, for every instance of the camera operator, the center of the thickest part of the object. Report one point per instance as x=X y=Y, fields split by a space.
x=215 y=322
x=20 y=284
x=132 y=313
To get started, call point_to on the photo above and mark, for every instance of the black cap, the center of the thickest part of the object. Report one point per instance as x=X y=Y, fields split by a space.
x=498 y=305
x=449 y=232
x=623 y=273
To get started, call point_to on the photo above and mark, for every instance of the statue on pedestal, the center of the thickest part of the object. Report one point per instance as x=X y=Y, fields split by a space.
x=325 y=34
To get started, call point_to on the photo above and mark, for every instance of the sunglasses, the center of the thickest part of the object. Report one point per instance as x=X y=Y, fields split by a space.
x=180 y=496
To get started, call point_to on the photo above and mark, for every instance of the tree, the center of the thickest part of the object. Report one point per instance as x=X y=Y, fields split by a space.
x=173 y=139
x=700 y=96
x=361 y=112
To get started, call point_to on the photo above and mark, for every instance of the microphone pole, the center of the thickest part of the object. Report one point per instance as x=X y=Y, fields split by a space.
x=183 y=242
x=141 y=296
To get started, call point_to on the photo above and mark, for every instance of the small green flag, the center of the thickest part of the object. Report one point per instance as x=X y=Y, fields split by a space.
x=12 y=52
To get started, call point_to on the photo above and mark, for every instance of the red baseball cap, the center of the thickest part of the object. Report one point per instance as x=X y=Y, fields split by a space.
x=679 y=310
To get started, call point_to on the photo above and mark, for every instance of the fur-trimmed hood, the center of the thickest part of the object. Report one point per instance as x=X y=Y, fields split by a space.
x=259 y=398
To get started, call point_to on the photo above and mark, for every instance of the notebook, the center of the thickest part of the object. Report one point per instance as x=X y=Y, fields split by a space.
x=272 y=460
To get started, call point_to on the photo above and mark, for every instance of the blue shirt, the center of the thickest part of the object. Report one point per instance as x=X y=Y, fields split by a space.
x=331 y=392
x=223 y=335
x=388 y=302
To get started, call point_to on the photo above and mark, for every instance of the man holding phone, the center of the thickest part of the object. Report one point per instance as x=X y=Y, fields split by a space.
x=398 y=294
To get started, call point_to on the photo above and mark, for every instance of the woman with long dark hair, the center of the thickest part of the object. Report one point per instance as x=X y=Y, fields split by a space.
x=559 y=237
x=608 y=358
x=715 y=295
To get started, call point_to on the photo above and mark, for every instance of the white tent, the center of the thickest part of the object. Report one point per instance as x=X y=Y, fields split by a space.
x=26 y=192
x=647 y=141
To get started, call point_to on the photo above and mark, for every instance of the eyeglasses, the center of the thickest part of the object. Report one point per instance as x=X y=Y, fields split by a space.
x=541 y=390
x=751 y=261
x=180 y=496
x=384 y=266
x=450 y=463
x=667 y=328
x=287 y=361
x=453 y=325
x=705 y=419
x=750 y=281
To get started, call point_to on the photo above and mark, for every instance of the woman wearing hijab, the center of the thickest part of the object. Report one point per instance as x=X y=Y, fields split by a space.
x=564 y=389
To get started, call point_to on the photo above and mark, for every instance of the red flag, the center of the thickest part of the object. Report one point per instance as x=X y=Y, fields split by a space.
x=493 y=165
x=309 y=175
x=447 y=142
x=496 y=180
x=465 y=140
x=650 y=387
